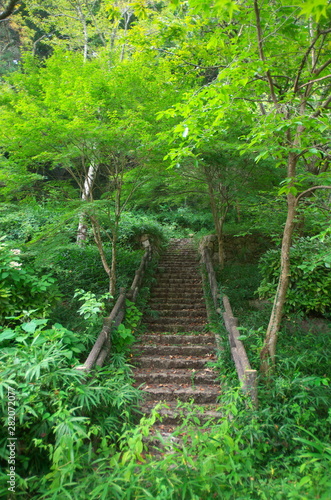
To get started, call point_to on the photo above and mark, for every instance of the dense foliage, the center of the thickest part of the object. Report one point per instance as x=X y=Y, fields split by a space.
x=57 y=425
x=310 y=281
x=172 y=118
x=22 y=289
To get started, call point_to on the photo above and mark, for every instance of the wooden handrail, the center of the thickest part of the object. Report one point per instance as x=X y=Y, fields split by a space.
x=102 y=346
x=247 y=376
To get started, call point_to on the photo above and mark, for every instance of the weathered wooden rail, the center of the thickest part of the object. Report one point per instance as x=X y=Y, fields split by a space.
x=247 y=376
x=102 y=346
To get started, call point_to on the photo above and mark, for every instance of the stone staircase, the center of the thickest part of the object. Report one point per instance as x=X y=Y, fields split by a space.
x=172 y=359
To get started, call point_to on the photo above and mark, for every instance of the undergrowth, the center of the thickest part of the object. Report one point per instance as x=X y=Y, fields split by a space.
x=76 y=438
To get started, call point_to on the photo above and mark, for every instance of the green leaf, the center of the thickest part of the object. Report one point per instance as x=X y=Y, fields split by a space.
x=7 y=334
x=32 y=325
x=315 y=9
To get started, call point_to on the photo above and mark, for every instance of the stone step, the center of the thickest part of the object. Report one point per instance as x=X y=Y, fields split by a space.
x=174 y=350
x=179 y=263
x=180 y=250
x=181 y=302
x=179 y=285
x=177 y=392
x=168 y=308
x=170 y=367
x=179 y=319
x=177 y=269
x=176 y=312
x=177 y=339
x=175 y=292
x=170 y=362
x=178 y=316
x=175 y=299
x=174 y=414
x=181 y=376
x=189 y=253
x=173 y=280
x=176 y=328
x=185 y=256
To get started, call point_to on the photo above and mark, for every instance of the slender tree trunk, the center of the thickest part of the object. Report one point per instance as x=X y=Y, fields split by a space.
x=86 y=195
x=110 y=269
x=82 y=19
x=220 y=240
x=268 y=351
x=98 y=241
x=218 y=222
x=118 y=210
x=112 y=285
x=127 y=14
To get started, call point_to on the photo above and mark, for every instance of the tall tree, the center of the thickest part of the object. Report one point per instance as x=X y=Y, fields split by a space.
x=274 y=72
x=73 y=24
x=87 y=118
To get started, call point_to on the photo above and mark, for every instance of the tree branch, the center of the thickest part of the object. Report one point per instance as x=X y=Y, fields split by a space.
x=325 y=65
x=324 y=105
x=310 y=190
x=261 y=53
x=314 y=81
x=9 y=9
x=304 y=59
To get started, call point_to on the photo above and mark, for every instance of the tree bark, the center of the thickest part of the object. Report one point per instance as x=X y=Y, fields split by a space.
x=82 y=19
x=217 y=218
x=119 y=169
x=86 y=195
x=98 y=242
x=112 y=283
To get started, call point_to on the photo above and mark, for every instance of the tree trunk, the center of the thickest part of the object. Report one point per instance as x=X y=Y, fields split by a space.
x=218 y=223
x=82 y=19
x=268 y=351
x=118 y=210
x=112 y=276
x=220 y=240
x=98 y=241
x=86 y=195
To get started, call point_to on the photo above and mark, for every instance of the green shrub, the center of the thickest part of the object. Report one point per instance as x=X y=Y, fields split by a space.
x=240 y=457
x=124 y=335
x=64 y=418
x=310 y=279
x=186 y=217
x=25 y=221
x=21 y=224
x=74 y=266
x=21 y=287
x=135 y=224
